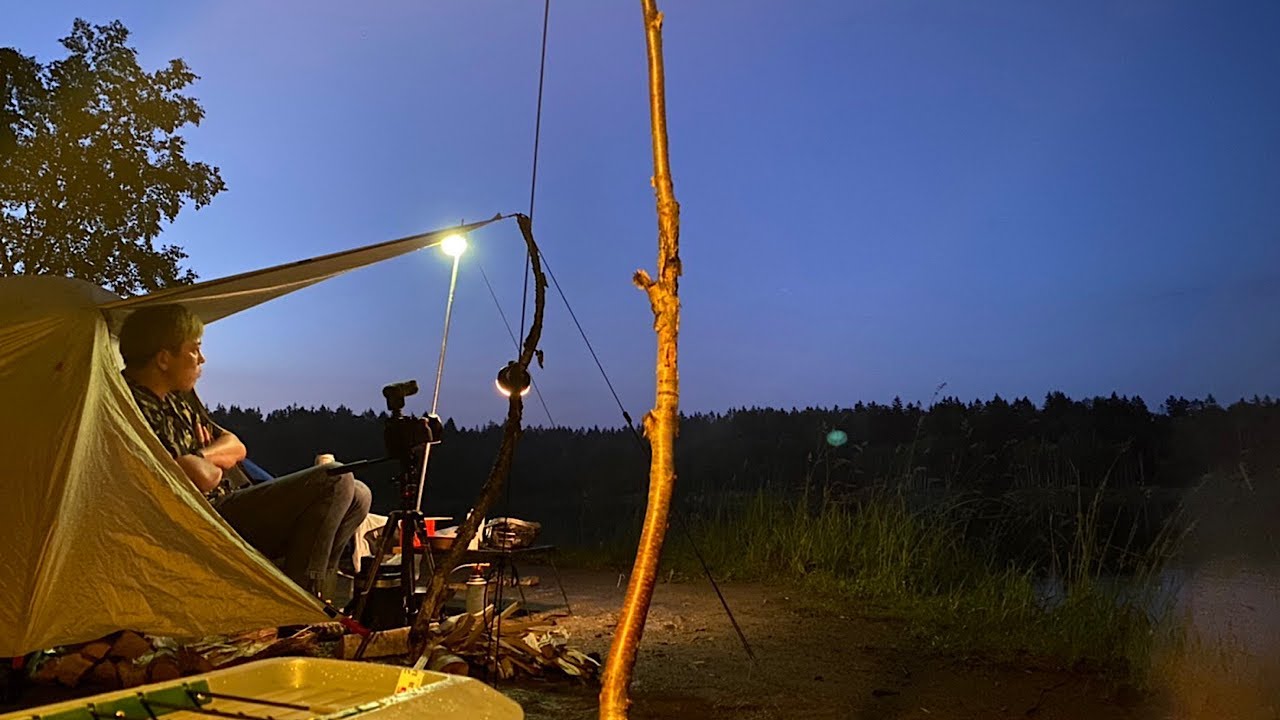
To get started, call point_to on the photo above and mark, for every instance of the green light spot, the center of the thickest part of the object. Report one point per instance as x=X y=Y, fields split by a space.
x=836 y=438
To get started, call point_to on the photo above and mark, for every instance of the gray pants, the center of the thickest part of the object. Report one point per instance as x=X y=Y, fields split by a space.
x=305 y=517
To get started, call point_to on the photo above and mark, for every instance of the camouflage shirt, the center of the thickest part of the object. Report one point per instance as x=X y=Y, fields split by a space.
x=174 y=419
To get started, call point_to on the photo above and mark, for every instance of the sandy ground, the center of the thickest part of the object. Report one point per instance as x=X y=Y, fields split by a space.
x=809 y=664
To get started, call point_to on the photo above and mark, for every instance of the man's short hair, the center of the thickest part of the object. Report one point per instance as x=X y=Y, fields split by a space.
x=149 y=330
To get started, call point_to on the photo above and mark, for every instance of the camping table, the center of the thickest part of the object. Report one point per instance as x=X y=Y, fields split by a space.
x=502 y=559
x=429 y=524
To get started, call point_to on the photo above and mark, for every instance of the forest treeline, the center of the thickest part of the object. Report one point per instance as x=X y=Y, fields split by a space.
x=587 y=484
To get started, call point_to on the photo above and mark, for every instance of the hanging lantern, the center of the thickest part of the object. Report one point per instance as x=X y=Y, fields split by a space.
x=513 y=378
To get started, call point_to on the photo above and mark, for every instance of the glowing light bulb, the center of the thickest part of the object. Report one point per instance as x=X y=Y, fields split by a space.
x=454 y=245
x=507 y=393
x=511 y=378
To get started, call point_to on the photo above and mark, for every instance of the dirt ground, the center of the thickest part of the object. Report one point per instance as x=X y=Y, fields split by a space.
x=808 y=665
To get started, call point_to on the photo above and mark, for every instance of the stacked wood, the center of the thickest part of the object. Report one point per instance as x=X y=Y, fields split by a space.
x=504 y=645
x=127 y=659
x=499 y=644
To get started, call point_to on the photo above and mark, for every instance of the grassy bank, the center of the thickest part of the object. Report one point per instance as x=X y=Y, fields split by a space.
x=921 y=566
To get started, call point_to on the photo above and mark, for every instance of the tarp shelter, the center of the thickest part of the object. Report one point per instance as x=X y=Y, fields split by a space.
x=100 y=530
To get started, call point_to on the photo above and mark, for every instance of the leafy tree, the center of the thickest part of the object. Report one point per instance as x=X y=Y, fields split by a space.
x=92 y=165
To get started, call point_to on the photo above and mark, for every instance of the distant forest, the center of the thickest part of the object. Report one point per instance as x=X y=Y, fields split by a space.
x=588 y=485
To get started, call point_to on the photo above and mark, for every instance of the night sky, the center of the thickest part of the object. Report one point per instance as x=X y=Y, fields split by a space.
x=877 y=197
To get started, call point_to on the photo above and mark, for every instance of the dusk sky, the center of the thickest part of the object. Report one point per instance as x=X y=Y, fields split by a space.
x=877 y=197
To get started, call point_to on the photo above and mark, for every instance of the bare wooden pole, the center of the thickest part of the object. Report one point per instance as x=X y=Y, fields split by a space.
x=660 y=424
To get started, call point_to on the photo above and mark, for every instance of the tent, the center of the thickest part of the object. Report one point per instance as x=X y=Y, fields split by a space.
x=100 y=530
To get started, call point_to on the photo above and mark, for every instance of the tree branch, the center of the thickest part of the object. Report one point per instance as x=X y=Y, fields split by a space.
x=435 y=597
x=660 y=424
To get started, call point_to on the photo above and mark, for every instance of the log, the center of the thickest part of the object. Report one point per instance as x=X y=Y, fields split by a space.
x=511 y=609
x=304 y=643
x=581 y=659
x=129 y=646
x=43 y=674
x=130 y=675
x=460 y=630
x=382 y=644
x=529 y=668
x=162 y=668
x=96 y=650
x=568 y=667
x=532 y=642
x=328 y=631
x=520 y=627
x=447 y=625
x=191 y=662
x=69 y=669
x=476 y=629
x=446 y=663
x=252 y=636
x=512 y=649
x=104 y=675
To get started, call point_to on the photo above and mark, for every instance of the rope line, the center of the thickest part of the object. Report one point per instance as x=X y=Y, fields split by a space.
x=537 y=121
x=644 y=447
x=537 y=139
x=583 y=333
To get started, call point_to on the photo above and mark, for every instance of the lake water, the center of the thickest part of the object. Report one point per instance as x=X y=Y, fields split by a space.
x=1230 y=664
x=1230 y=604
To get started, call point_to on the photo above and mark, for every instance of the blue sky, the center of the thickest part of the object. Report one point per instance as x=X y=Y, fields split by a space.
x=877 y=197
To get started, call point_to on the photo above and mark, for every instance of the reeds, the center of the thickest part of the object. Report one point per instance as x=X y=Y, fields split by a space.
x=924 y=564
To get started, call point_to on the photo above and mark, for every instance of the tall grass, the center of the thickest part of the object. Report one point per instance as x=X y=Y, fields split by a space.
x=919 y=563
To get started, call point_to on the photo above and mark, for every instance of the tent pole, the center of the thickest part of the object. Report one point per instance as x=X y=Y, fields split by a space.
x=435 y=397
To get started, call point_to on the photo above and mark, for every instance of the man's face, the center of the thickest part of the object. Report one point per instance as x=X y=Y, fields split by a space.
x=181 y=367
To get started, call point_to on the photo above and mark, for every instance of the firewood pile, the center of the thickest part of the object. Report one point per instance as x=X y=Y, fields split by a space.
x=464 y=644
x=505 y=646
x=127 y=659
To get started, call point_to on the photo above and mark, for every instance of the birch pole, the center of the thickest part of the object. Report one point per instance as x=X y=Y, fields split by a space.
x=660 y=424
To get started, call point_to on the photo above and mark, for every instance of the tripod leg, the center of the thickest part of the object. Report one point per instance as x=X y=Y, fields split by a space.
x=408 y=574
x=559 y=582
x=426 y=545
x=515 y=579
x=384 y=544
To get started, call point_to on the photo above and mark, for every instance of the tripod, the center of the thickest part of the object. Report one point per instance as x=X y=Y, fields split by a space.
x=411 y=525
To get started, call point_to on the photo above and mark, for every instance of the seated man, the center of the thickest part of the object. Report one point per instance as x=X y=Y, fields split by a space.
x=306 y=517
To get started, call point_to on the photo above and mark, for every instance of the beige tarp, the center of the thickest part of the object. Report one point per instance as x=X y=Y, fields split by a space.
x=217 y=299
x=99 y=528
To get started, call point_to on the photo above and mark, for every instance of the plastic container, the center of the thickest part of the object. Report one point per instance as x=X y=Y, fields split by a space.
x=327 y=688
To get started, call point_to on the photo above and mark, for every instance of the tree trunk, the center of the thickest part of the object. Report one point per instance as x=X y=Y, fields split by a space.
x=660 y=424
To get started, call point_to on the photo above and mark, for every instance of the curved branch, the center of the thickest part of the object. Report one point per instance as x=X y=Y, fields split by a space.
x=511 y=431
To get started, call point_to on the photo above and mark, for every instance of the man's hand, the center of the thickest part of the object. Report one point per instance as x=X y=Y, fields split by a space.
x=203 y=473
x=223 y=452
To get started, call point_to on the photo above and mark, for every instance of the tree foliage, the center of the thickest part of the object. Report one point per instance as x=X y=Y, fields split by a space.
x=586 y=484
x=92 y=164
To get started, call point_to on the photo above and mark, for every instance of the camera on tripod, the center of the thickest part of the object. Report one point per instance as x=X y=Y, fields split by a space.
x=403 y=435
x=406 y=438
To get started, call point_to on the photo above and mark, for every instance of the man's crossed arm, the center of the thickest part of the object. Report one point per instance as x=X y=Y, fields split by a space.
x=216 y=455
